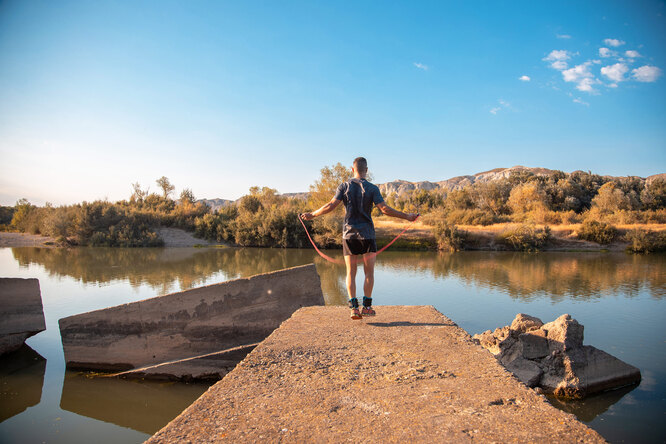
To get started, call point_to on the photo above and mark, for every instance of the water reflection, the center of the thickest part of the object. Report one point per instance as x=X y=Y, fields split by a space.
x=145 y=406
x=555 y=275
x=589 y=408
x=21 y=380
x=523 y=276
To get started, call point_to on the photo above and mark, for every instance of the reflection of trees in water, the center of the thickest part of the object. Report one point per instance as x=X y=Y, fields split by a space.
x=522 y=275
x=160 y=268
x=559 y=275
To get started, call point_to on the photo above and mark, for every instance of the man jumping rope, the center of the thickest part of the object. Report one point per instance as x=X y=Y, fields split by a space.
x=358 y=231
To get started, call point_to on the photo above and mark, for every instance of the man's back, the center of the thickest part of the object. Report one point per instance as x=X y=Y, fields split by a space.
x=359 y=196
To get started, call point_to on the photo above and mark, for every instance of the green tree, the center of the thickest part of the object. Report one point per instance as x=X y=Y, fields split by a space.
x=323 y=190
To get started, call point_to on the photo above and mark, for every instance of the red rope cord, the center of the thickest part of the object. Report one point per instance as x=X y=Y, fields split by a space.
x=338 y=261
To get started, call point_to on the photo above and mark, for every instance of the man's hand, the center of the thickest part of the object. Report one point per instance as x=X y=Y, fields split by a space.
x=412 y=216
x=307 y=216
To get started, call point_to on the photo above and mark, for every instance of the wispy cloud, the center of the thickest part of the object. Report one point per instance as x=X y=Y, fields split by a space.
x=646 y=73
x=524 y=78
x=615 y=72
x=563 y=36
x=502 y=104
x=632 y=54
x=421 y=66
x=605 y=52
x=614 y=42
x=579 y=100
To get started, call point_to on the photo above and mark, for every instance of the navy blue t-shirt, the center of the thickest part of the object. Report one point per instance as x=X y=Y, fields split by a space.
x=359 y=196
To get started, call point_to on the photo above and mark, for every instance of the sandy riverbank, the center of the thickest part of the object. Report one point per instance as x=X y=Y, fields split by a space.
x=173 y=237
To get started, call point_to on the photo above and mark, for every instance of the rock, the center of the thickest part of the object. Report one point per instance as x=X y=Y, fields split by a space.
x=21 y=312
x=526 y=371
x=524 y=323
x=564 y=333
x=553 y=357
x=535 y=344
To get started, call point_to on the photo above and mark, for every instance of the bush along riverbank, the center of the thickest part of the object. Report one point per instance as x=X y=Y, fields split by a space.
x=522 y=212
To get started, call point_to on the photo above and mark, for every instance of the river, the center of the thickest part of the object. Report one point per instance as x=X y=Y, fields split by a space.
x=619 y=298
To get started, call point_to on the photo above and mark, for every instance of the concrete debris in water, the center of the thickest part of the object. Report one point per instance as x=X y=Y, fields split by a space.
x=552 y=356
x=21 y=312
x=200 y=333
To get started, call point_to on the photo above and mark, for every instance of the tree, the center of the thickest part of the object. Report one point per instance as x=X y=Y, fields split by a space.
x=323 y=190
x=611 y=199
x=187 y=196
x=137 y=193
x=527 y=197
x=165 y=185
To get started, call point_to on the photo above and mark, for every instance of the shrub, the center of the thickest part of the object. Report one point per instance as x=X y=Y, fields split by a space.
x=470 y=217
x=599 y=232
x=525 y=237
x=645 y=241
x=448 y=237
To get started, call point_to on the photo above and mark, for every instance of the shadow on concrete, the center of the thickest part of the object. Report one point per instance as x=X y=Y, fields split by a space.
x=21 y=381
x=410 y=324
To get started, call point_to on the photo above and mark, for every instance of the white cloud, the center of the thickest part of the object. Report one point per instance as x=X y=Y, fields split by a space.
x=605 y=52
x=632 y=54
x=615 y=72
x=646 y=73
x=494 y=110
x=581 y=76
x=524 y=78
x=587 y=85
x=614 y=42
x=578 y=100
x=558 y=58
x=563 y=36
x=421 y=66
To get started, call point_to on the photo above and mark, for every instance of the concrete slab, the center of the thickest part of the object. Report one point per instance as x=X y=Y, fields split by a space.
x=409 y=374
x=189 y=323
x=21 y=312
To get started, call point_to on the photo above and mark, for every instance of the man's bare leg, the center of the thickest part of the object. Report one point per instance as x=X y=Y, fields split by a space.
x=351 y=264
x=368 y=283
x=369 y=271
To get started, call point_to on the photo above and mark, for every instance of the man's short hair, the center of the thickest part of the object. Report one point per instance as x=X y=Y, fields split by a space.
x=361 y=164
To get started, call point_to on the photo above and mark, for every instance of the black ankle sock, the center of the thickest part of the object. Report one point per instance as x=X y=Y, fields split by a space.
x=353 y=303
x=367 y=302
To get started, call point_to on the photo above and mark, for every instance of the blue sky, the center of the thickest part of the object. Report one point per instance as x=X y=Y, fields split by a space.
x=220 y=96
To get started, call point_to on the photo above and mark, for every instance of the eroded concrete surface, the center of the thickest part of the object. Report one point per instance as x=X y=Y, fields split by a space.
x=408 y=375
x=21 y=312
x=188 y=324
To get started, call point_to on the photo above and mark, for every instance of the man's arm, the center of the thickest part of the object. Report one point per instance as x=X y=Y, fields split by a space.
x=395 y=213
x=332 y=205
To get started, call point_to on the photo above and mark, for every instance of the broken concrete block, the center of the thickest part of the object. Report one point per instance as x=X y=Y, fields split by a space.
x=553 y=356
x=188 y=324
x=21 y=312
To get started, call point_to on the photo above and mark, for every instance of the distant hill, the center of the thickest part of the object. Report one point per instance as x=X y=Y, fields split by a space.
x=216 y=204
x=401 y=187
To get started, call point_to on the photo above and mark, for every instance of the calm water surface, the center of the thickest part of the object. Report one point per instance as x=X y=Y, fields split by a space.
x=620 y=299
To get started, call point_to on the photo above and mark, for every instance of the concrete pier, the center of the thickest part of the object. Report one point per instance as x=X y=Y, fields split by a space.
x=408 y=374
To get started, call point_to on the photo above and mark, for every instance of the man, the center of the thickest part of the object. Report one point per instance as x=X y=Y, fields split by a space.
x=358 y=232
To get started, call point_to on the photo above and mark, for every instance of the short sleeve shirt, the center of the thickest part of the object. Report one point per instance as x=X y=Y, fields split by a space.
x=359 y=196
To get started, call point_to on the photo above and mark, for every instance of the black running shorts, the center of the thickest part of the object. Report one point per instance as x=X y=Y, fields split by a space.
x=351 y=247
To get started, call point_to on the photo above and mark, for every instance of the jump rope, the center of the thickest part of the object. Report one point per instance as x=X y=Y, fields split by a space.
x=340 y=262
